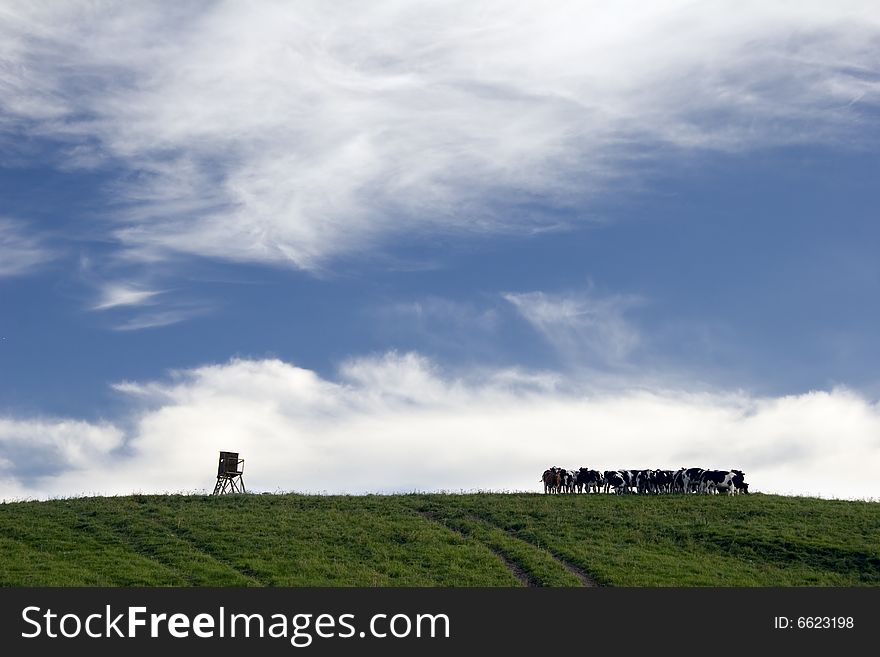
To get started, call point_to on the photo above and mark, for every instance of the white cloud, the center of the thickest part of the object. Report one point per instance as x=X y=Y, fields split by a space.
x=585 y=328
x=398 y=423
x=438 y=324
x=130 y=299
x=160 y=318
x=114 y=295
x=34 y=447
x=286 y=132
x=454 y=316
x=20 y=251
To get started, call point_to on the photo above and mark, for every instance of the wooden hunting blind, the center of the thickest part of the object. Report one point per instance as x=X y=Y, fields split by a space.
x=230 y=474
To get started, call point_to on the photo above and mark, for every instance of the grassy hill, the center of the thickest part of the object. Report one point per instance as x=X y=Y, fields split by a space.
x=440 y=540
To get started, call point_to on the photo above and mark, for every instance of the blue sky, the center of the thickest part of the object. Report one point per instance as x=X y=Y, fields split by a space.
x=438 y=237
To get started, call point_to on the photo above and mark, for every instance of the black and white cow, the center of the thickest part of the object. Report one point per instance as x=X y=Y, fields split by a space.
x=606 y=479
x=580 y=480
x=660 y=481
x=588 y=480
x=739 y=482
x=692 y=478
x=596 y=481
x=568 y=480
x=678 y=481
x=710 y=479
x=723 y=481
x=629 y=476
x=615 y=479
x=643 y=481
x=654 y=482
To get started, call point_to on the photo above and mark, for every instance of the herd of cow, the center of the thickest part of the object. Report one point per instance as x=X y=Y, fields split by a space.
x=645 y=482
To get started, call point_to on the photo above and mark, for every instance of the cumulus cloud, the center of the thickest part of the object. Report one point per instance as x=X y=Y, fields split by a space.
x=36 y=448
x=398 y=422
x=20 y=250
x=290 y=133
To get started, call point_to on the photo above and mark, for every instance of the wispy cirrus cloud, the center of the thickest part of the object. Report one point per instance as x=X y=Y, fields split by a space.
x=438 y=324
x=114 y=295
x=290 y=133
x=160 y=318
x=585 y=328
x=126 y=305
x=129 y=305
x=399 y=422
x=21 y=251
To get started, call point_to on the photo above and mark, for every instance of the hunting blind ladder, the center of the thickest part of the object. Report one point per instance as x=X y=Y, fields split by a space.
x=230 y=473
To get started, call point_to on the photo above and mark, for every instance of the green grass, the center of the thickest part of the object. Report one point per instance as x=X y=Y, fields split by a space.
x=440 y=540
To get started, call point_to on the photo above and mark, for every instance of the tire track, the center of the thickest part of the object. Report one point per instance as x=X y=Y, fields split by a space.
x=584 y=577
x=154 y=527
x=577 y=571
x=525 y=579
x=248 y=575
